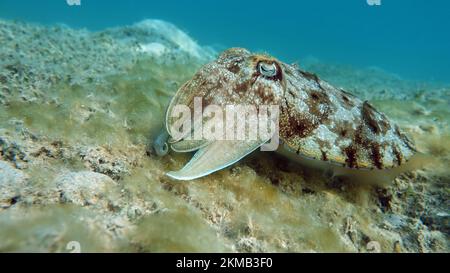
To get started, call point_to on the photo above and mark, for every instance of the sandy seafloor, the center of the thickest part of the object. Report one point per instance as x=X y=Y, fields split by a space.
x=79 y=110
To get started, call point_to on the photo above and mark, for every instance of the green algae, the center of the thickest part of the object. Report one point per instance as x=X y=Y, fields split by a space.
x=126 y=109
x=182 y=230
x=52 y=229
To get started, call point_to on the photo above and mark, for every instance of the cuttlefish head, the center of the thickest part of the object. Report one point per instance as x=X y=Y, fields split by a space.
x=237 y=77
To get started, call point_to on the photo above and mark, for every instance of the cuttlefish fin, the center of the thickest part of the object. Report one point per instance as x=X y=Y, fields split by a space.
x=214 y=157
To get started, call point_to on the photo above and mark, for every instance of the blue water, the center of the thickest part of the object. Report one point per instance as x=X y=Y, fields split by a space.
x=408 y=37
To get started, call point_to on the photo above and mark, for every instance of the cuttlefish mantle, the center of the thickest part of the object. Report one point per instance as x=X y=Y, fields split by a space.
x=316 y=120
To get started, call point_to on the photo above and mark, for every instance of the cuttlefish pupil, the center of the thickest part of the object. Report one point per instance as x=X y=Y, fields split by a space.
x=316 y=121
x=268 y=70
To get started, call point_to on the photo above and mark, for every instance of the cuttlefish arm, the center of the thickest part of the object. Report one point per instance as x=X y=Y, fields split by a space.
x=216 y=156
x=160 y=146
x=185 y=146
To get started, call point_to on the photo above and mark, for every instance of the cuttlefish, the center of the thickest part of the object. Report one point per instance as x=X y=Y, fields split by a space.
x=316 y=121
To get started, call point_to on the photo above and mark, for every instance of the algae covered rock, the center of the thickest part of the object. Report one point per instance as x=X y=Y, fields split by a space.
x=54 y=229
x=182 y=230
x=161 y=39
x=12 y=183
x=87 y=189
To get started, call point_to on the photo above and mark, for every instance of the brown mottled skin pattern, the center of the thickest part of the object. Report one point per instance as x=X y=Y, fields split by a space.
x=317 y=120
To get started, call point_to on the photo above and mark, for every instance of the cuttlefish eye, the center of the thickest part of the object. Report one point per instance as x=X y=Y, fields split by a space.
x=268 y=70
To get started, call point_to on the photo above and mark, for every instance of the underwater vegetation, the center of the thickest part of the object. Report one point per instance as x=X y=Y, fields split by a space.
x=79 y=111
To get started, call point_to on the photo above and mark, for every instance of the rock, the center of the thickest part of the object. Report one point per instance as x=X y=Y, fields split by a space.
x=13 y=151
x=12 y=183
x=438 y=221
x=102 y=161
x=53 y=228
x=161 y=39
x=88 y=189
x=396 y=221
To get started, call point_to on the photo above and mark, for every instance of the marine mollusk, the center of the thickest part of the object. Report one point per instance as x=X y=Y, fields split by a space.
x=316 y=120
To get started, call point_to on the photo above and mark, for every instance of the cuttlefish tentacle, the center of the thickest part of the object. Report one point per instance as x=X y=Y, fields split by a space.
x=160 y=145
x=185 y=146
x=214 y=157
